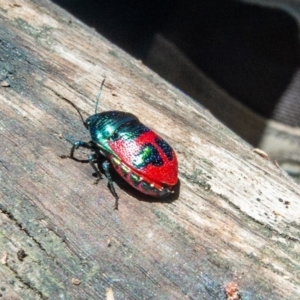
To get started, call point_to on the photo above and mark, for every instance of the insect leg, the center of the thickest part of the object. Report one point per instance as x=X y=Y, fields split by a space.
x=75 y=146
x=105 y=166
x=92 y=158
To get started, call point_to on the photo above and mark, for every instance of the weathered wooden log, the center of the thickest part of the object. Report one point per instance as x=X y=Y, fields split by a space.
x=232 y=227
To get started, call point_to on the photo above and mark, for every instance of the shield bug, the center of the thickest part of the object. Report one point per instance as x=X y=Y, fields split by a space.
x=140 y=156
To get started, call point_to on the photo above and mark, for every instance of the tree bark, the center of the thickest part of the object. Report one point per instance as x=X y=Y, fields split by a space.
x=233 y=222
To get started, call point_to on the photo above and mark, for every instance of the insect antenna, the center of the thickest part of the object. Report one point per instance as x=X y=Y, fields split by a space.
x=99 y=95
x=77 y=109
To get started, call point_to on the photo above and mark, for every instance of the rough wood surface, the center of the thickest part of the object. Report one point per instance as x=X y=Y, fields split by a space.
x=235 y=221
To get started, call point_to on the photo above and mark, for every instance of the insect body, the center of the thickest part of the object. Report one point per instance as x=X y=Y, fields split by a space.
x=137 y=153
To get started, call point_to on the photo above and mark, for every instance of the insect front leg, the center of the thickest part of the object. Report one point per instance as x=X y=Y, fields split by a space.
x=105 y=166
x=91 y=158
x=75 y=146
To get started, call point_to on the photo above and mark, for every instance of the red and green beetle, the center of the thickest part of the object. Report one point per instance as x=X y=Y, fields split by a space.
x=141 y=157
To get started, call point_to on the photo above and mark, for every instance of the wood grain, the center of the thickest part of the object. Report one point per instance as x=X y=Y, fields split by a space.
x=235 y=218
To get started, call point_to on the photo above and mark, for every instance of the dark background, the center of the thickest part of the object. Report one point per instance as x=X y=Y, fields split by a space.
x=251 y=51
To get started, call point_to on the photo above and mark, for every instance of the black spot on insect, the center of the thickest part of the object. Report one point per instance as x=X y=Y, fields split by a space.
x=115 y=136
x=148 y=155
x=164 y=146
